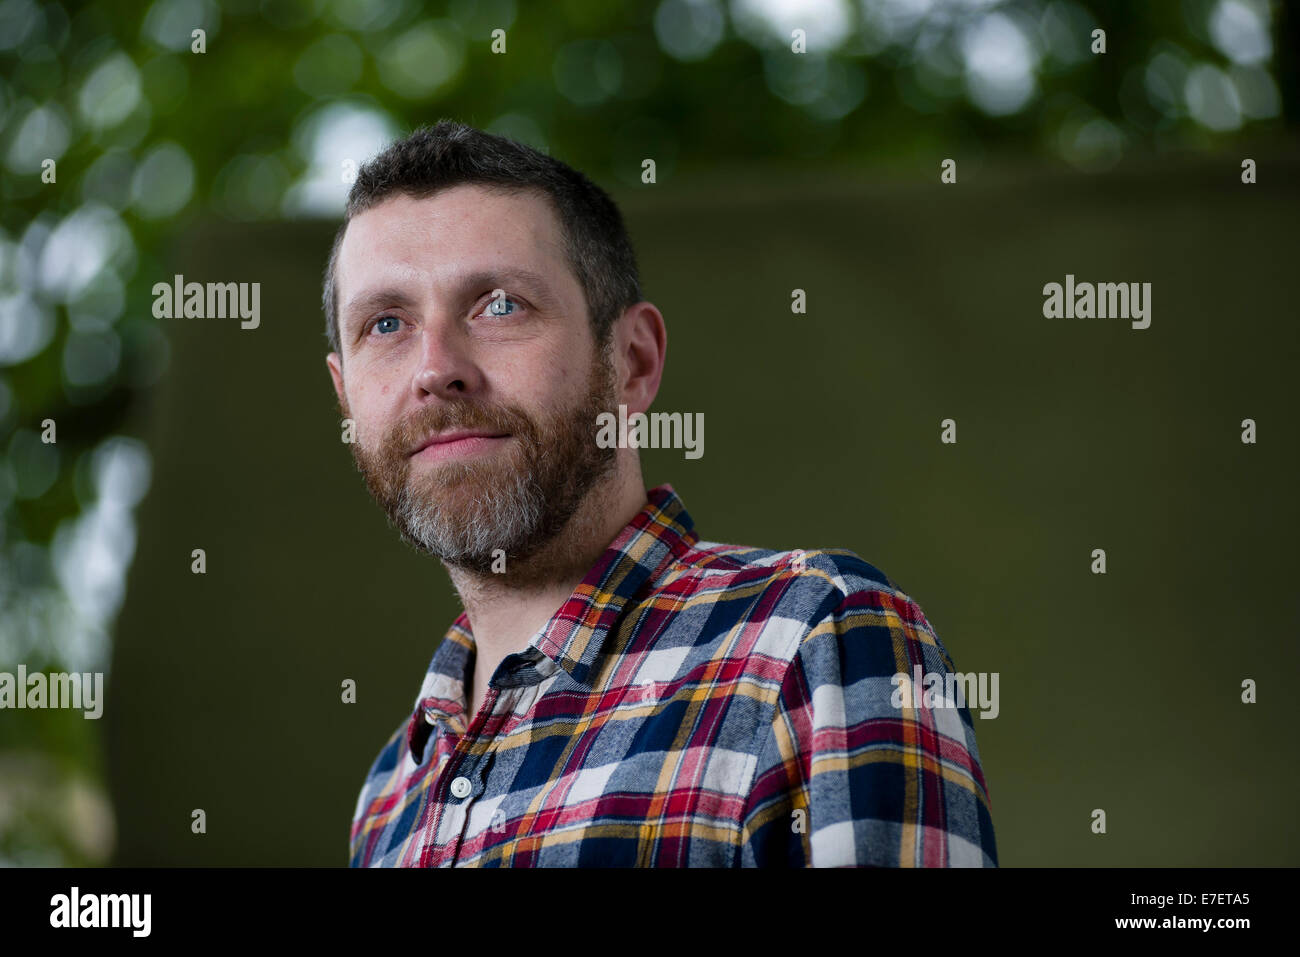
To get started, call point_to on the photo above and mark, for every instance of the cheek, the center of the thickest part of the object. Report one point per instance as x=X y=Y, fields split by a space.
x=368 y=393
x=367 y=405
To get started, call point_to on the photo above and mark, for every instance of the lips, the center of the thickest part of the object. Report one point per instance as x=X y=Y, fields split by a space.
x=456 y=435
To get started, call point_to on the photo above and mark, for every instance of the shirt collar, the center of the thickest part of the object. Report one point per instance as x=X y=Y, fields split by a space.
x=576 y=635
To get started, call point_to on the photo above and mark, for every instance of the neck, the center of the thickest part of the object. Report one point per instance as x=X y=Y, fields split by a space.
x=506 y=609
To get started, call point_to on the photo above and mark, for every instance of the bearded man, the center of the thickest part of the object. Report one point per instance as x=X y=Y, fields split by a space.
x=617 y=691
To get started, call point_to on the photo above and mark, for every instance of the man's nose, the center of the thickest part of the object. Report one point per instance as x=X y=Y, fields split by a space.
x=446 y=366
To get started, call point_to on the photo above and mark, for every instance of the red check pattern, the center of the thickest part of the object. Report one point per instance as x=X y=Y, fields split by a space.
x=691 y=704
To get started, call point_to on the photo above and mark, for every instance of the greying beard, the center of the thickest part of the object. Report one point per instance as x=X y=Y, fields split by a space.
x=507 y=516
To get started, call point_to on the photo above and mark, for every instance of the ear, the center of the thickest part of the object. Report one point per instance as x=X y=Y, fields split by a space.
x=642 y=342
x=336 y=373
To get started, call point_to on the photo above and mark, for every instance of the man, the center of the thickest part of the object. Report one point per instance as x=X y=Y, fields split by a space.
x=616 y=691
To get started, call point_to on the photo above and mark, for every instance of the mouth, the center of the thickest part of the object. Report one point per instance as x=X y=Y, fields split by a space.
x=456 y=443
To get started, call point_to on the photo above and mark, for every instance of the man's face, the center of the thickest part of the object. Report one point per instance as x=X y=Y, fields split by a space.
x=460 y=313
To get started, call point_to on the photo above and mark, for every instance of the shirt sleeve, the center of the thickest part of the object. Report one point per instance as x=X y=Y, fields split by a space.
x=849 y=773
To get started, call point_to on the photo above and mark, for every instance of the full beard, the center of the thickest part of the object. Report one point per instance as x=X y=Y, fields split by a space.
x=506 y=504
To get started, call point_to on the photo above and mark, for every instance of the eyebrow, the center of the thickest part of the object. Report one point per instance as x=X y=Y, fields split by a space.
x=535 y=284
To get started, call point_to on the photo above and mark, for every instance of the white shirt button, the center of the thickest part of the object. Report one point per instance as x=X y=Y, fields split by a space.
x=461 y=787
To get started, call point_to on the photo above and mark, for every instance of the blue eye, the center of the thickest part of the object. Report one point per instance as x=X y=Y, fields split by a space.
x=396 y=324
x=497 y=306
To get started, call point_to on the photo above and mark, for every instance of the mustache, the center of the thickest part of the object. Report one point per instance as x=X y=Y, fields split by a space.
x=404 y=436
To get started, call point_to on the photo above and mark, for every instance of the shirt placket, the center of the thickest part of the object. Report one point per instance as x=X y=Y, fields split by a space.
x=464 y=778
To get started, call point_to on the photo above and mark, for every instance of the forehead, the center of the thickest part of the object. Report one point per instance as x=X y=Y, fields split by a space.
x=460 y=229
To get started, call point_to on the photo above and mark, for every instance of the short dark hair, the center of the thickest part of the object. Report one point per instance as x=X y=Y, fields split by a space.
x=447 y=154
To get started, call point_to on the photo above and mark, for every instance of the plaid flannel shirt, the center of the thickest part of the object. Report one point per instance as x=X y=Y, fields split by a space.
x=691 y=704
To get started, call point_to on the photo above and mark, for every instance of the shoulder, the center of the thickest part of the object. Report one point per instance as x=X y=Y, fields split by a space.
x=814 y=568
x=813 y=583
x=811 y=601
